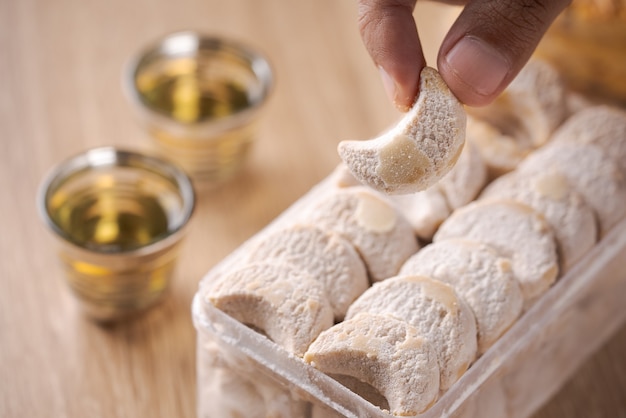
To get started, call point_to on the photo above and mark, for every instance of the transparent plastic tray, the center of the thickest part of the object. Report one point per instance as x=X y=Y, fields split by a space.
x=512 y=379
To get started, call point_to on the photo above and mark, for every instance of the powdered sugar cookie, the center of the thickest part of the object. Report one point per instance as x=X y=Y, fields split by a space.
x=433 y=307
x=341 y=177
x=550 y=193
x=325 y=255
x=418 y=151
x=590 y=171
x=426 y=210
x=480 y=276
x=385 y=353
x=381 y=235
x=516 y=232
x=279 y=300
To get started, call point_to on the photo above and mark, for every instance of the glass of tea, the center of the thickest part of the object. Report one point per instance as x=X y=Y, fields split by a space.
x=119 y=218
x=200 y=98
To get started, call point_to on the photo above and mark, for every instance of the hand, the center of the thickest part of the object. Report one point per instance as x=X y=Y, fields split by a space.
x=483 y=51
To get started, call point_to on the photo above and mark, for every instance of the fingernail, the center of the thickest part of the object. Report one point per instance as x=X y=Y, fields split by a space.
x=478 y=65
x=388 y=84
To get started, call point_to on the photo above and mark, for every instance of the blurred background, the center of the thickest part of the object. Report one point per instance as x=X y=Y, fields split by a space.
x=61 y=64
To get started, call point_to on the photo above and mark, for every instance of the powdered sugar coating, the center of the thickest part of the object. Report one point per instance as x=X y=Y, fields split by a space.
x=325 y=255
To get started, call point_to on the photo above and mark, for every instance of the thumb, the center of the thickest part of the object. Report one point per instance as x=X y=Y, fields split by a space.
x=489 y=44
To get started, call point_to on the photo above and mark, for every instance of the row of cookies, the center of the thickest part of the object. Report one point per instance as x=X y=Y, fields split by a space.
x=273 y=291
x=489 y=260
x=298 y=279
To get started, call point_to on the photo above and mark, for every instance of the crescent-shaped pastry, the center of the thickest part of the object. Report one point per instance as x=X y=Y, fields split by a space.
x=419 y=150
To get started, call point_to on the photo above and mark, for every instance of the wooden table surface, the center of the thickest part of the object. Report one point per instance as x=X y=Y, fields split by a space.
x=60 y=93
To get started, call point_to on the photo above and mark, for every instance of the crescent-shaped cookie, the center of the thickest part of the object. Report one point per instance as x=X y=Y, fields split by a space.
x=385 y=353
x=419 y=150
x=551 y=194
x=516 y=232
x=479 y=275
x=277 y=299
x=438 y=313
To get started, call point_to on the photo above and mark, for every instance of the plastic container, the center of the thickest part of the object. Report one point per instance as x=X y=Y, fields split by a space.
x=242 y=373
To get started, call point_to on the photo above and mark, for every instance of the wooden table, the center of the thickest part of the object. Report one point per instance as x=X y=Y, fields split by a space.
x=60 y=78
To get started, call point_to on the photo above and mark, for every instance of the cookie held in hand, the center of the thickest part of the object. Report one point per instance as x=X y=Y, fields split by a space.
x=417 y=152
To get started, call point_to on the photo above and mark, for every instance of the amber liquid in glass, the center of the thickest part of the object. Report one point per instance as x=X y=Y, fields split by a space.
x=192 y=92
x=110 y=220
x=187 y=91
x=110 y=224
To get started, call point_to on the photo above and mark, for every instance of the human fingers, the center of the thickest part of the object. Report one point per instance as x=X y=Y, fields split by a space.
x=390 y=36
x=489 y=44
